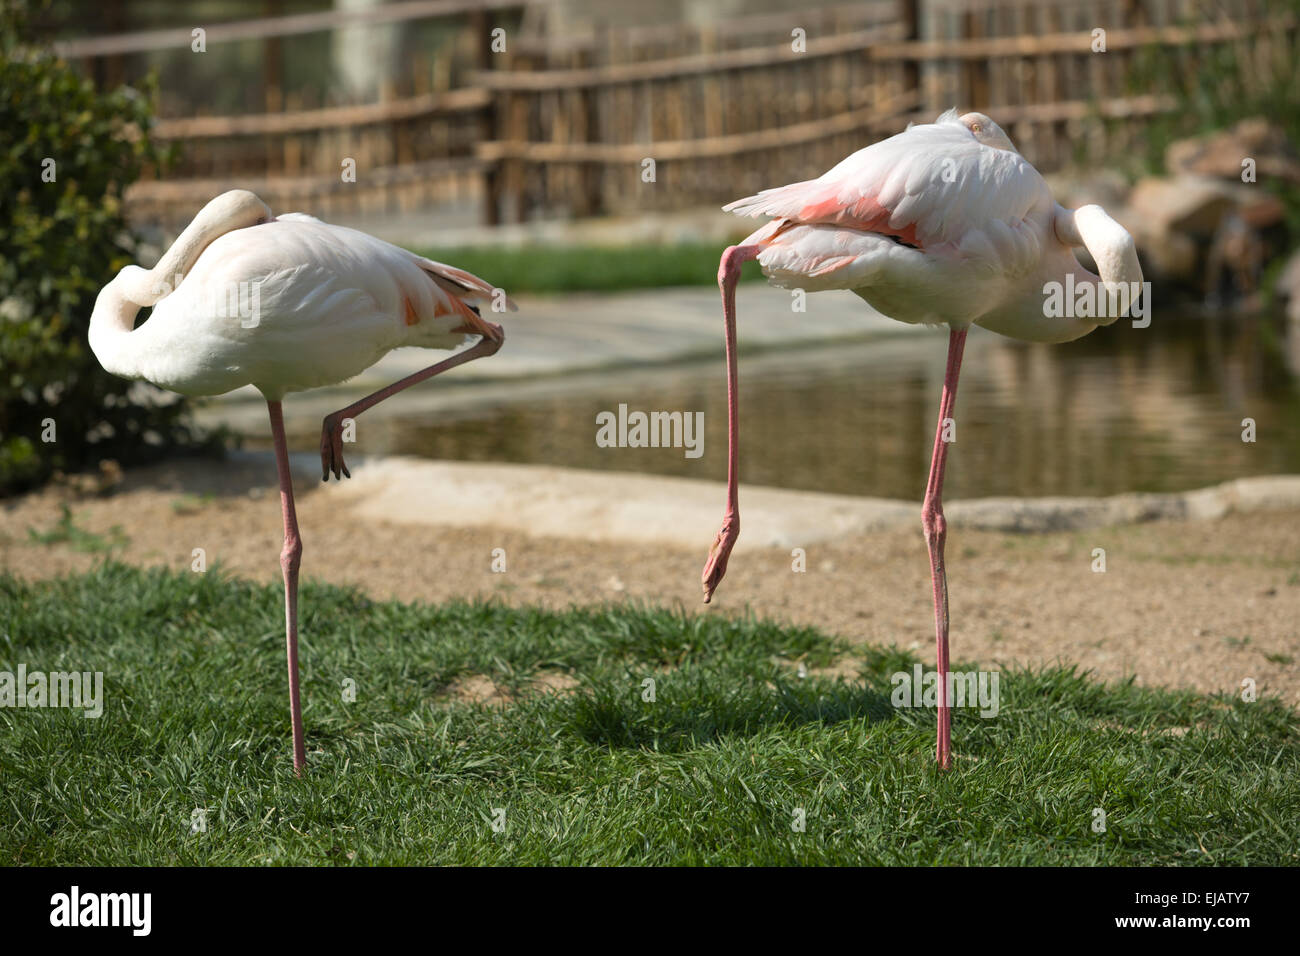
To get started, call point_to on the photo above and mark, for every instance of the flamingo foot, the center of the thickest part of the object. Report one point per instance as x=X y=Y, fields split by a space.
x=716 y=566
x=331 y=449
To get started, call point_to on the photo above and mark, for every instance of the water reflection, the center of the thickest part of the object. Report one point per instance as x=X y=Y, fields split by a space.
x=1158 y=409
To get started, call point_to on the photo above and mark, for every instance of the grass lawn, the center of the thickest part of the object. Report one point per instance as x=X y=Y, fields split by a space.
x=577 y=268
x=713 y=771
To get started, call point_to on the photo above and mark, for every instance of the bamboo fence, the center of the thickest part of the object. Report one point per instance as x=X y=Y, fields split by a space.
x=560 y=126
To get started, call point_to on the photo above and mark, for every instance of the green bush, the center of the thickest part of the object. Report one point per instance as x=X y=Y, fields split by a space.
x=60 y=241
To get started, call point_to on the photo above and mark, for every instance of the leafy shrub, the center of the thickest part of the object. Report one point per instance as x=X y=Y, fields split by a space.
x=69 y=152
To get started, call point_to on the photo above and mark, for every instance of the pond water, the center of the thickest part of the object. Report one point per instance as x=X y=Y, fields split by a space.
x=1156 y=409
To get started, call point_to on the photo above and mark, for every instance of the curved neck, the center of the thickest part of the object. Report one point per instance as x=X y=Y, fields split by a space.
x=113 y=320
x=119 y=302
x=1111 y=248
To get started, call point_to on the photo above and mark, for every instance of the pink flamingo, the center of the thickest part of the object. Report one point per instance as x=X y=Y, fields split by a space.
x=286 y=303
x=943 y=223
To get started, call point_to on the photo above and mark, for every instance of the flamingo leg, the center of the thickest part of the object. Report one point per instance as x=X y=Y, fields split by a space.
x=290 y=559
x=331 y=437
x=728 y=274
x=936 y=532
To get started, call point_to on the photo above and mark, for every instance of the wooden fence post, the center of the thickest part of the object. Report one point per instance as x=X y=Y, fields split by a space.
x=909 y=15
x=976 y=74
x=480 y=23
x=589 y=201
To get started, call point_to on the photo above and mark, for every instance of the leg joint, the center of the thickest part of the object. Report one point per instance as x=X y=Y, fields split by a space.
x=732 y=259
x=291 y=554
x=933 y=521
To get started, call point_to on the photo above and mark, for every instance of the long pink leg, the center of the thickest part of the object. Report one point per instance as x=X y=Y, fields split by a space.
x=936 y=532
x=290 y=559
x=331 y=437
x=728 y=274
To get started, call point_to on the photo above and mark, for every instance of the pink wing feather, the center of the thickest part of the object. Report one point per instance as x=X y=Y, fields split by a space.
x=933 y=187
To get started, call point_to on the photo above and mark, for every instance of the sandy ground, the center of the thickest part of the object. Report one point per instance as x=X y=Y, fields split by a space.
x=1202 y=604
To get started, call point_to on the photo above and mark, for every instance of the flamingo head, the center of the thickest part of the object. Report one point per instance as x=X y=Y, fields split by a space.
x=237 y=208
x=986 y=131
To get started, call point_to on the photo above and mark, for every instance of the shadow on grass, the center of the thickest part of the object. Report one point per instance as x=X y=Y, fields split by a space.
x=692 y=708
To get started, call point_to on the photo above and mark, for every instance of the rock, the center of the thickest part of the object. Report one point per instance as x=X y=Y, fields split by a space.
x=1166 y=255
x=1262 y=210
x=1220 y=154
x=1252 y=203
x=636 y=508
x=1171 y=219
x=1103 y=187
x=1204 y=225
x=1235 y=261
x=1188 y=204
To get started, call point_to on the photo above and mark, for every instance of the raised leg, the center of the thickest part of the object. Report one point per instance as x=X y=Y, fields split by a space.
x=936 y=532
x=728 y=275
x=331 y=436
x=290 y=559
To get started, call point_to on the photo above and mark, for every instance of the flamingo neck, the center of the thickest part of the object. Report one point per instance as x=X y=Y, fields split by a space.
x=1111 y=248
x=112 y=322
x=112 y=337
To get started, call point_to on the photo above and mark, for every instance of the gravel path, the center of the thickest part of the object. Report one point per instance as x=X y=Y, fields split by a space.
x=1197 y=603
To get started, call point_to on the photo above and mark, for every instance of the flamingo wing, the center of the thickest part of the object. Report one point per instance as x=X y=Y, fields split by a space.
x=461 y=284
x=931 y=187
x=330 y=301
x=453 y=290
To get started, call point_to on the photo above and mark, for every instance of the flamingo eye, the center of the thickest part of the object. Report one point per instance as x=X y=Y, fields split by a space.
x=975 y=127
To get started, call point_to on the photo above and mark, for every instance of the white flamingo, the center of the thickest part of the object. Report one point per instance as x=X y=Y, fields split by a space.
x=943 y=223
x=285 y=303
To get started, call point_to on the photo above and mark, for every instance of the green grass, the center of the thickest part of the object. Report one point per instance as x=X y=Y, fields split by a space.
x=711 y=772
x=591 y=268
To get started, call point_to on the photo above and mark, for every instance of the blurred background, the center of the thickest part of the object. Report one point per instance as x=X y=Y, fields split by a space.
x=577 y=152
